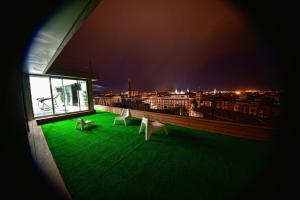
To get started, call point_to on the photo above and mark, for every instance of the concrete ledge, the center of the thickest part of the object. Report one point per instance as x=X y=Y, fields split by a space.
x=44 y=160
x=226 y=128
x=62 y=117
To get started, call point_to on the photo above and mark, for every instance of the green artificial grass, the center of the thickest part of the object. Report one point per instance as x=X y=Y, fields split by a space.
x=115 y=162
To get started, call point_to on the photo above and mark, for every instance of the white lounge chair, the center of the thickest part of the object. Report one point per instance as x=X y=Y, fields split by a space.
x=151 y=127
x=47 y=106
x=81 y=122
x=123 y=116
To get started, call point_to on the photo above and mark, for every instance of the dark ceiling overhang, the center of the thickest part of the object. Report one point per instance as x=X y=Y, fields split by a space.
x=55 y=34
x=73 y=73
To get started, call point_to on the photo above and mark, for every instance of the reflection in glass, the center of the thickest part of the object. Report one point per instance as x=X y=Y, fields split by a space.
x=58 y=95
x=41 y=96
x=71 y=95
x=83 y=95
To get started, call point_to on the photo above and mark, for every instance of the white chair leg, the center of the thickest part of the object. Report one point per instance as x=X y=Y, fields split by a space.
x=141 y=128
x=115 y=121
x=125 y=122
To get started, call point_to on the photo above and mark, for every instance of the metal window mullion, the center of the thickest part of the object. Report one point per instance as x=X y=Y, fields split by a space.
x=78 y=95
x=87 y=93
x=63 y=89
x=50 y=80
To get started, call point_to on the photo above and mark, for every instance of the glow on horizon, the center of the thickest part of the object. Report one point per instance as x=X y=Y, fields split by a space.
x=181 y=92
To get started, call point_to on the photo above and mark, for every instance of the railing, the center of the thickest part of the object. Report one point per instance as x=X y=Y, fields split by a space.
x=220 y=127
x=244 y=112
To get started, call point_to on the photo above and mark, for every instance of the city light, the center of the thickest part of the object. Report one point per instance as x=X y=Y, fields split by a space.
x=230 y=105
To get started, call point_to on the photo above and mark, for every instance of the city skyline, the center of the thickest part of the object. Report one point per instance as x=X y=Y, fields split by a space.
x=99 y=88
x=168 y=45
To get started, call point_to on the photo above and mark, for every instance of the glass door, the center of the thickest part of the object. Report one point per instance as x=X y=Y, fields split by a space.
x=58 y=95
x=71 y=95
x=83 y=95
x=41 y=96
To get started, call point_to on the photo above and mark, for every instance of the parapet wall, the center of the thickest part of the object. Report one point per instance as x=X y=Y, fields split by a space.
x=221 y=127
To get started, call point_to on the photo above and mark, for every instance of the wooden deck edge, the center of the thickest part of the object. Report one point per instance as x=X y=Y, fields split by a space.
x=44 y=159
x=41 y=121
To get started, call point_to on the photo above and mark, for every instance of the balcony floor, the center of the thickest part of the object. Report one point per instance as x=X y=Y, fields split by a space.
x=113 y=162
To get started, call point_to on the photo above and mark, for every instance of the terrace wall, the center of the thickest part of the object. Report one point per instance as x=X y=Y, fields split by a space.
x=221 y=127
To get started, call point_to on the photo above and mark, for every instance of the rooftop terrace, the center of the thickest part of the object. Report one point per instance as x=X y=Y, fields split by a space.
x=113 y=162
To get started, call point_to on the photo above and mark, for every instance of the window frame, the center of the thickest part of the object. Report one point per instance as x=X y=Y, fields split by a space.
x=51 y=93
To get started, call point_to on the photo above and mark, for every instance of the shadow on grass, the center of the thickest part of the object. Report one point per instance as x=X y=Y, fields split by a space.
x=91 y=127
x=134 y=122
x=185 y=139
x=197 y=140
x=101 y=112
x=130 y=122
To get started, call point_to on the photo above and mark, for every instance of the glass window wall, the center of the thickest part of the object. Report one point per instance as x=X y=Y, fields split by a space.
x=58 y=95
x=54 y=96
x=71 y=95
x=41 y=96
x=83 y=95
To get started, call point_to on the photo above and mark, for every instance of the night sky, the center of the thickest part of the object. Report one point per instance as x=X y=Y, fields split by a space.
x=163 y=45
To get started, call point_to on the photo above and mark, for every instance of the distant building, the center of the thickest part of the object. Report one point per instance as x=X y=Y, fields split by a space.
x=171 y=102
x=199 y=95
x=225 y=105
x=108 y=101
x=151 y=100
x=232 y=106
x=196 y=114
x=249 y=108
x=132 y=93
x=242 y=96
x=129 y=88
